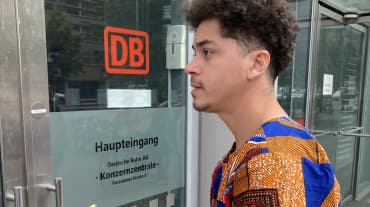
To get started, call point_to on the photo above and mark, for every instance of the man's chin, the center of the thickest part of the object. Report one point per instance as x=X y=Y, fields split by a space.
x=202 y=107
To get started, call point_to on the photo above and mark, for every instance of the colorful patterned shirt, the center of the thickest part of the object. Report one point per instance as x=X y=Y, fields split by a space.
x=281 y=165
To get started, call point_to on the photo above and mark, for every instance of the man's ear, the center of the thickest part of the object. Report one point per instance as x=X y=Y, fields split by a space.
x=260 y=61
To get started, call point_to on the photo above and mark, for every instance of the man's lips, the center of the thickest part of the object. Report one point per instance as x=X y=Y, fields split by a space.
x=196 y=84
x=197 y=88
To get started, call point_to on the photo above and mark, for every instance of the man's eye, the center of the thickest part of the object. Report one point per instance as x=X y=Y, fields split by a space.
x=206 y=53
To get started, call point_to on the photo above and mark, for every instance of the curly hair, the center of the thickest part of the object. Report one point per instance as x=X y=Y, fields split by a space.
x=253 y=23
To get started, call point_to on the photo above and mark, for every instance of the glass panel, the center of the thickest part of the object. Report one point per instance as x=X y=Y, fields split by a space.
x=117 y=103
x=291 y=87
x=363 y=178
x=337 y=91
x=75 y=44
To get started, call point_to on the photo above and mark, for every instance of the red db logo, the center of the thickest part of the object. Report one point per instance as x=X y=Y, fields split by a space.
x=126 y=51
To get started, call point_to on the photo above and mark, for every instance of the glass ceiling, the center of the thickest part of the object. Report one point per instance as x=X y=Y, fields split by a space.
x=358 y=6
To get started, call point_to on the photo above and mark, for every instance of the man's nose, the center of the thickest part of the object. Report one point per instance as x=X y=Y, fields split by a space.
x=191 y=68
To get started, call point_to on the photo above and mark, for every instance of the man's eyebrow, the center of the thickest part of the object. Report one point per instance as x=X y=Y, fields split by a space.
x=202 y=43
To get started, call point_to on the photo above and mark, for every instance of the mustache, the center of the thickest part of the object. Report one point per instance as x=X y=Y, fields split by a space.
x=196 y=83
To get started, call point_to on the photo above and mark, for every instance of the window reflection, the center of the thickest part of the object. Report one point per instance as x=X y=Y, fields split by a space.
x=337 y=94
x=291 y=88
x=75 y=46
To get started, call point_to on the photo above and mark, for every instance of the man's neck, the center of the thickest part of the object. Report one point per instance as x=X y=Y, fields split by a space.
x=248 y=114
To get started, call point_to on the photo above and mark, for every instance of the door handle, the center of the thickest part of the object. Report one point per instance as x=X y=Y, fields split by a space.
x=58 y=189
x=318 y=133
x=349 y=132
x=17 y=197
x=352 y=134
x=355 y=129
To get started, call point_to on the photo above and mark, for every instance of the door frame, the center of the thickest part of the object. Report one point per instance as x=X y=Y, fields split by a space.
x=317 y=10
x=27 y=23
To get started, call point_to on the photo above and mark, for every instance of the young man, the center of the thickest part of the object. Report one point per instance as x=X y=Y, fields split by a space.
x=240 y=47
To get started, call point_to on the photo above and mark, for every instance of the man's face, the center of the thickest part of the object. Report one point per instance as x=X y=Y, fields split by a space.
x=217 y=69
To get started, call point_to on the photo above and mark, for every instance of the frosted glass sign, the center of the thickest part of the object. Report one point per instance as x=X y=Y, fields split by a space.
x=111 y=158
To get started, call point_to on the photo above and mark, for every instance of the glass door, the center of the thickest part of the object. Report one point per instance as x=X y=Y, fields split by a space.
x=93 y=103
x=117 y=101
x=337 y=94
x=363 y=172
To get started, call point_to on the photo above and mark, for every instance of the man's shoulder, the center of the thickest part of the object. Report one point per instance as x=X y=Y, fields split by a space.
x=286 y=127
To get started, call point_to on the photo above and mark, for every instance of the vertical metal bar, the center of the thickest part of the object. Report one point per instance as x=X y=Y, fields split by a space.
x=12 y=158
x=18 y=196
x=192 y=137
x=362 y=77
x=59 y=192
x=169 y=101
x=23 y=98
x=314 y=37
x=57 y=188
x=293 y=72
x=34 y=92
x=1 y=164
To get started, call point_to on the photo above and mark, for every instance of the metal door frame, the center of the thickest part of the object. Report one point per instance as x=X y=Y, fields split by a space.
x=27 y=72
x=317 y=11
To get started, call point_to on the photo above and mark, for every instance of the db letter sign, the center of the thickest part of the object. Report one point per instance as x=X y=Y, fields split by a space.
x=126 y=51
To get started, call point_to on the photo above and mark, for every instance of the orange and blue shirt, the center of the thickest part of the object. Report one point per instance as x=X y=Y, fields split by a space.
x=281 y=165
